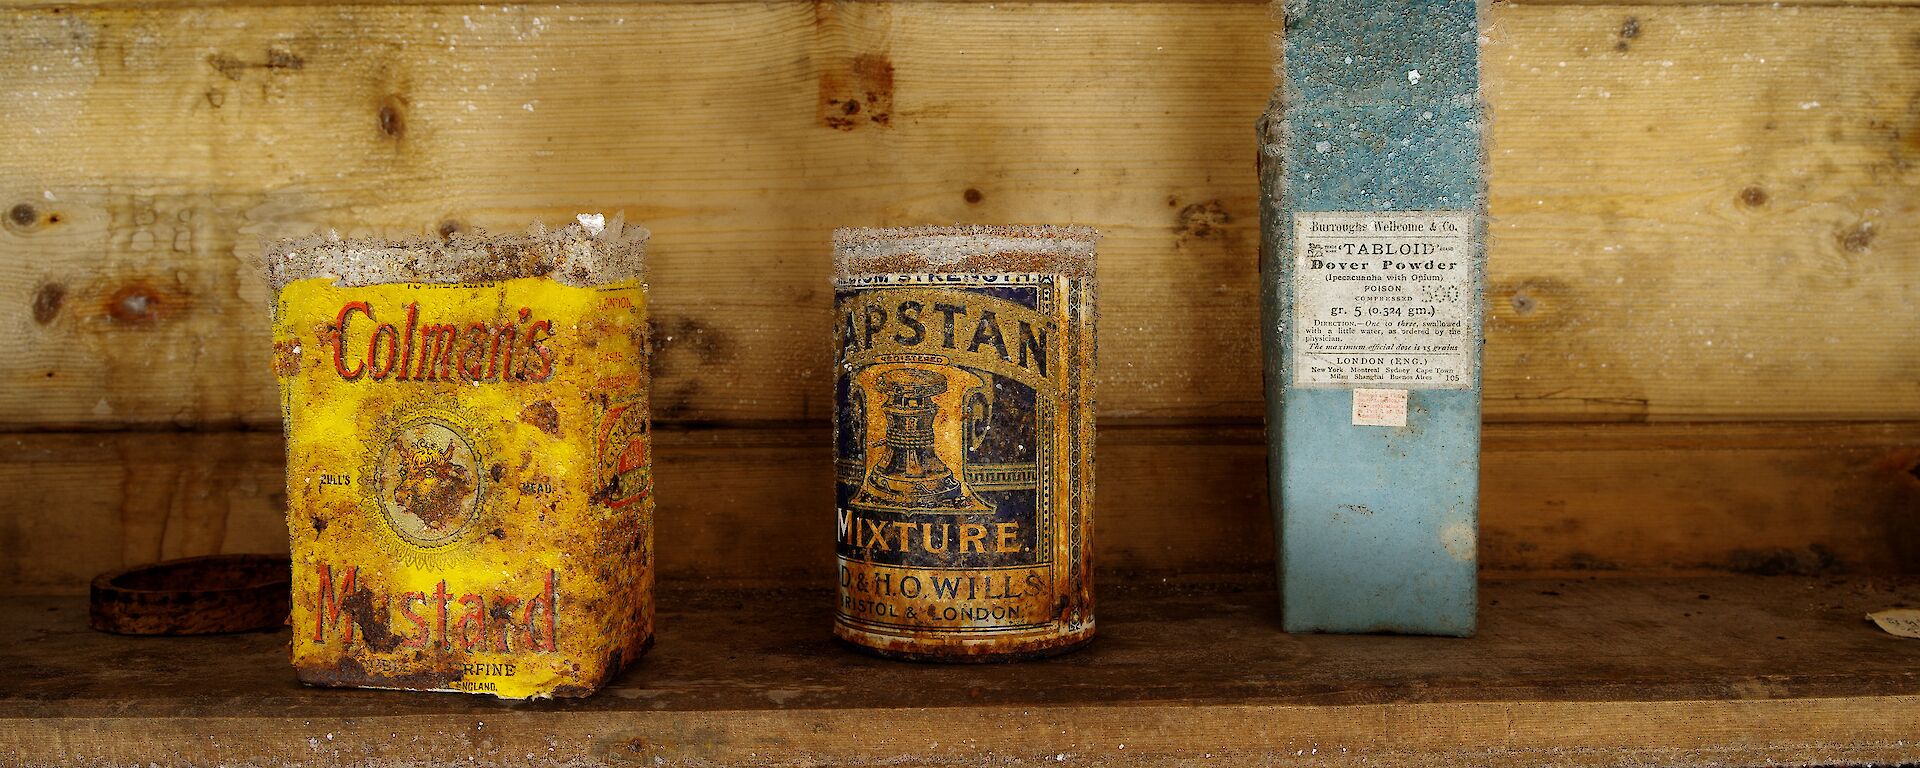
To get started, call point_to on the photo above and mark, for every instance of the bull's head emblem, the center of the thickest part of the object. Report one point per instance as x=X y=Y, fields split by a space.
x=431 y=484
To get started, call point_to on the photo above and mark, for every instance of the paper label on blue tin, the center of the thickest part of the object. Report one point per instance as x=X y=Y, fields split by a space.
x=1379 y=407
x=1385 y=300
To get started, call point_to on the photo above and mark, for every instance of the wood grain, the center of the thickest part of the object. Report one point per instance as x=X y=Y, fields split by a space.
x=1700 y=212
x=1713 y=671
x=46 y=5
x=1693 y=223
x=1175 y=504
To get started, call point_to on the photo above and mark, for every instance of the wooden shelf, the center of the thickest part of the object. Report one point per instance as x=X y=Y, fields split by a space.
x=1720 y=670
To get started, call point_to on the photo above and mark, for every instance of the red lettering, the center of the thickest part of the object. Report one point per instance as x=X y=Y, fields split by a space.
x=476 y=351
x=437 y=352
x=500 y=355
x=472 y=629
x=505 y=606
x=419 y=640
x=327 y=604
x=550 y=601
x=473 y=360
x=340 y=341
x=546 y=355
x=373 y=349
x=440 y=598
x=479 y=625
x=406 y=345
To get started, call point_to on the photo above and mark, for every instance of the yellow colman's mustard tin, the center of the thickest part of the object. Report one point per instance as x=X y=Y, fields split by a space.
x=964 y=435
x=469 y=487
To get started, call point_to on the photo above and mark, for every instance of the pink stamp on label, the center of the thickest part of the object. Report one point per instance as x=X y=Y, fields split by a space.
x=1380 y=407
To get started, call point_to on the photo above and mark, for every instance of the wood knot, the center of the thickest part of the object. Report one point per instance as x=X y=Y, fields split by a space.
x=450 y=227
x=393 y=117
x=1535 y=301
x=973 y=196
x=26 y=218
x=1753 y=197
x=1858 y=238
x=47 y=301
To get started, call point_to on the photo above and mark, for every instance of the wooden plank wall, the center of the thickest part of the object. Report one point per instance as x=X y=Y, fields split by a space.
x=1705 y=274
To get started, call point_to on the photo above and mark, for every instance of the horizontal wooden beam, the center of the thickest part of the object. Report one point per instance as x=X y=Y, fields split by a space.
x=52 y=5
x=750 y=506
x=1584 y=672
x=1699 y=212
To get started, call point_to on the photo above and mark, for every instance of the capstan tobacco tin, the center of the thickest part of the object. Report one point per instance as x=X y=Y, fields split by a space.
x=469 y=488
x=964 y=438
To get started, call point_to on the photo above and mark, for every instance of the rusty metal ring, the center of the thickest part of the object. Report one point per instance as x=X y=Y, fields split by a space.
x=193 y=596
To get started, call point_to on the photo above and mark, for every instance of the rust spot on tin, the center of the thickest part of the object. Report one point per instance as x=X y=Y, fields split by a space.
x=327 y=335
x=1753 y=197
x=46 y=302
x=372 y=622
x=350 y=673
x=542 y=415
x=286 y=357
x=606 y=494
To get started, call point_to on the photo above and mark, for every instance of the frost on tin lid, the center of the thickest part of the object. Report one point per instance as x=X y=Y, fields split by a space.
x=1047 y=249
x=594 y=251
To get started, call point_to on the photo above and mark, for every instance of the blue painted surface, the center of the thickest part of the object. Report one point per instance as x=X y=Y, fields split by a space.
x=1376 y=526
